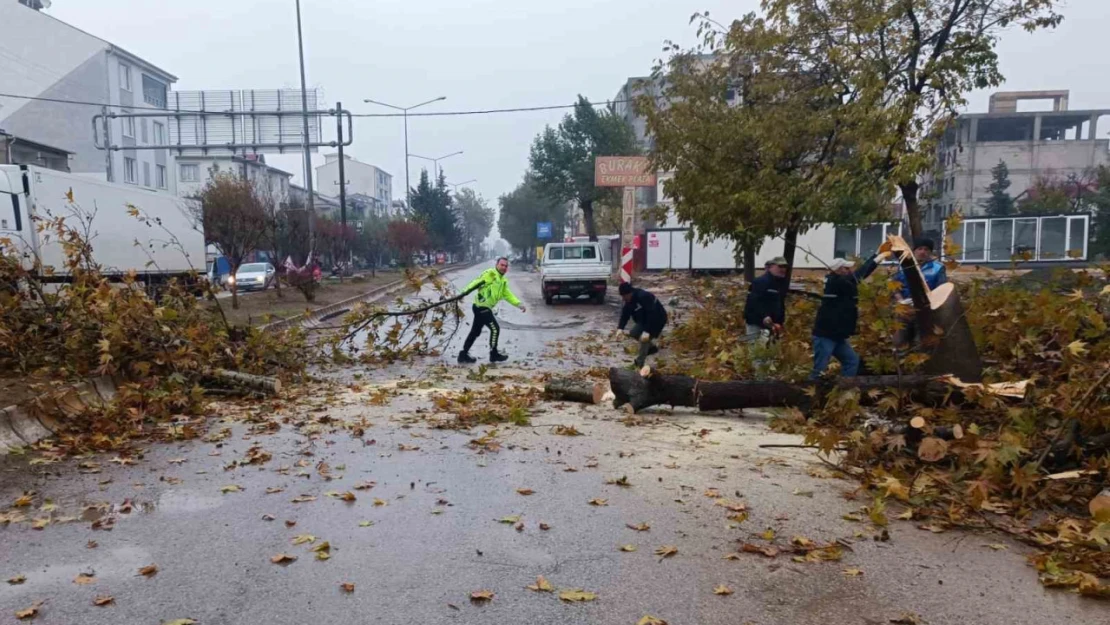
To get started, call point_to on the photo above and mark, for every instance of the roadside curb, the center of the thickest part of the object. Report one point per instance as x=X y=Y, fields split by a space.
x=28 y=423
x=313 y=318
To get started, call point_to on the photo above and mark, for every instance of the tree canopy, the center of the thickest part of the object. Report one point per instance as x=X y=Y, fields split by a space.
x=433 y=210
x=522 y=209
x=475 y=220
x=562 y=158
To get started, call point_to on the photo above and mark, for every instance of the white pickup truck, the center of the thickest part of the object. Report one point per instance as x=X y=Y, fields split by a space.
x=574 y=269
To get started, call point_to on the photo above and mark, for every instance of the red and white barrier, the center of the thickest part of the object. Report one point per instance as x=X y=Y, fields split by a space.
x=626 y=264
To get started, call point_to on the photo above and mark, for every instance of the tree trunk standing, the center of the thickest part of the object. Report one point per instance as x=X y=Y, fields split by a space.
x=749 y=263
x=789 y=247
x=232 y=270
x=277 y=281
x=941 y=323
x=587 y=207
x=913 y=209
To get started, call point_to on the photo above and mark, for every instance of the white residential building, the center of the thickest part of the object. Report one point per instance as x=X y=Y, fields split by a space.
x=194 y=173
x=363 y=179
x=43 y=57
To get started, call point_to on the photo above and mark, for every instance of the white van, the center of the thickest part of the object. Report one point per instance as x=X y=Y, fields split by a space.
x=575 y=269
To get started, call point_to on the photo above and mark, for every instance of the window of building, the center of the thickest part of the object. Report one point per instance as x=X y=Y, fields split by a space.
x=145 y=128
x=125 y=77
x=128 y=126
x=146 y=174
x=160 y=176
x=130 y=171
x=190 y=173
x=154 y=92
x=159 y=133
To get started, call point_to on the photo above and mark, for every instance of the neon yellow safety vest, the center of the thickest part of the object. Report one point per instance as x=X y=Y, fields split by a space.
x=492 y=288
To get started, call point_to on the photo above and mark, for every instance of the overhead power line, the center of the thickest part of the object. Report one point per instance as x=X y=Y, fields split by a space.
x=523 y=109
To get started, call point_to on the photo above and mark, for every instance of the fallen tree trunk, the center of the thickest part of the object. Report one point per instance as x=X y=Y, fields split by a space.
x=569 y=389
x=260 y=383
x=647 y=387
x=941 y=323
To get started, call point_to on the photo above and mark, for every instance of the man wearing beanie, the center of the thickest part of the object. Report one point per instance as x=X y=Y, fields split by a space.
x=648 y=317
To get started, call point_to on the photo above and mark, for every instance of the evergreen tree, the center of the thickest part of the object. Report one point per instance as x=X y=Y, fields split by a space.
x=433 y=209
x=999 y=204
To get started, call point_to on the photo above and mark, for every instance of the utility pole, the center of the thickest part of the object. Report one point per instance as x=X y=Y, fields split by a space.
x=310 y=202
x=342 y=190
x=405 y=113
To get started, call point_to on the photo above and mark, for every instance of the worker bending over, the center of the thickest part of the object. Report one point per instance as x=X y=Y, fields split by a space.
x=648 y=316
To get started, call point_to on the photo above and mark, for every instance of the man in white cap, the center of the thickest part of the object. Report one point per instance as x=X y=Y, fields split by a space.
x=837 y=317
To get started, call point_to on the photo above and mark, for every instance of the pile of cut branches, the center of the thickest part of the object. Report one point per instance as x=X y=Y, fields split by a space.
x=160 y=350
x=1033 y=467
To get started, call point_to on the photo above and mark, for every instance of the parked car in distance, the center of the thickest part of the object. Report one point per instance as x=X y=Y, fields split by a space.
x=253 y=276
x=575 y=269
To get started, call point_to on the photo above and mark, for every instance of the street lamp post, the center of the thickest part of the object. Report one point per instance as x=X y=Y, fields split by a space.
x=435 y=161
x=405 y=110
x=310 y=200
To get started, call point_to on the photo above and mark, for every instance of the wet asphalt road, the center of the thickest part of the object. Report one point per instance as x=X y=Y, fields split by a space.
x=426 y=533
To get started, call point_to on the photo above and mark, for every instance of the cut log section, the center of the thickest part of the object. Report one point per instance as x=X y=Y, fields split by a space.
x=260 y=383
x=569 y=389
x=942 y=325
x=647 y=387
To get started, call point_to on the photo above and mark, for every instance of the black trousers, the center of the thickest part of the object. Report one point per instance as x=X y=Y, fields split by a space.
x=483 y=318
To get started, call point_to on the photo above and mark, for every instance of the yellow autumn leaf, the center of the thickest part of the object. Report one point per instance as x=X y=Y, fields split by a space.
x=852 y=572
x=525 y=491
x=301 y=539
x=380 y=502
x=509 y=520
x=651 y=620
x=628 y=548
x=721 y=589
x=599 y=502
x=18 y=579
x=25 y=500
x=231 y=488
x=30 y=612
x=148 y=570
x=479 y=596
x=577 y=595
x=84 y=579
x=639 y=527
x=1077 y=348
x=666 y=551
x=283 y=558
x=181 y=621
x=103 y=600
x=347 y=587
x=769 y=534
x=541 y=585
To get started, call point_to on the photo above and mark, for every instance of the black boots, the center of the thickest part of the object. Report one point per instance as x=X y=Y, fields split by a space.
x=496 y=356
x=466 y=359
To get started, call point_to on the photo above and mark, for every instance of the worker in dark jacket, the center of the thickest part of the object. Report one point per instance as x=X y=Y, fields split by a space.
x=765 y=307
x=648 y=316
x=837 y=317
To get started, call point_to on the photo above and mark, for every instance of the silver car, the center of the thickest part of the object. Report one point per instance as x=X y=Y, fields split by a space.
x=253 y=276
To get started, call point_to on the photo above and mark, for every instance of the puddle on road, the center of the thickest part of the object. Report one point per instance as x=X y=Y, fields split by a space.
x=186 y=501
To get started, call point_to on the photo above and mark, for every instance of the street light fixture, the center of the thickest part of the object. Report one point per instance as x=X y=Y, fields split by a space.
x=435 y=161
x=459 y=184
x=405 y=110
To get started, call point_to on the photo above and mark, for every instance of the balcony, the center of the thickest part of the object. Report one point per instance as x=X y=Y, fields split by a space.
x=154 y=92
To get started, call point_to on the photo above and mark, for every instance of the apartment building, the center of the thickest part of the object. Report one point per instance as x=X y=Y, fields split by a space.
x=194 y=172
x=43 y=57
x=372 y=183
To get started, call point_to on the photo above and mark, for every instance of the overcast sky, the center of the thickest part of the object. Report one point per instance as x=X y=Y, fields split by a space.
x=486 y=54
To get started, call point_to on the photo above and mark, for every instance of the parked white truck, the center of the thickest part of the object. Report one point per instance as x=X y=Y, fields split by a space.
x=169 y=245
x=575 y=269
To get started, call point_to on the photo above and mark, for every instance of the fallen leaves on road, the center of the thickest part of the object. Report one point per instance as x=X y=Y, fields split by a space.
x=541 y=585
x=92 y=544
x=599 y=502
x=39 y=524
x=365 y=523
x=576 y=595
x=26 y=499
x=301 y=539
x=721 y=589
x=148 y=570
x=907 y=618
x=997 y=546
x=852 y=572
x=519 y=526
x=651 y=620
x=628 y=548
x=732 y=506
x=231 y=488
x=640 y=527
x=380 y=502
x=480 y=596
x=620 y=481
x=323 y=550
x=525 y=491
x=181 y=621
x=30 y=612
x=283 y=558
x=404 y=447
x=365 y=485
x=566 y=430
x=103 y=600
x=290 y=523
x=84 y=579
x=347 y=587
x=18 y=579
x=769 y=551
x=347 y=496
x=303 y=499
x=509 y=520
x=273 y=490
x=544 y=526
x=666 y=551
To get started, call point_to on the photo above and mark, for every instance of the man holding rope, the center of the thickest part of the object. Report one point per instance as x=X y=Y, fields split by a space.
x=492 y=287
